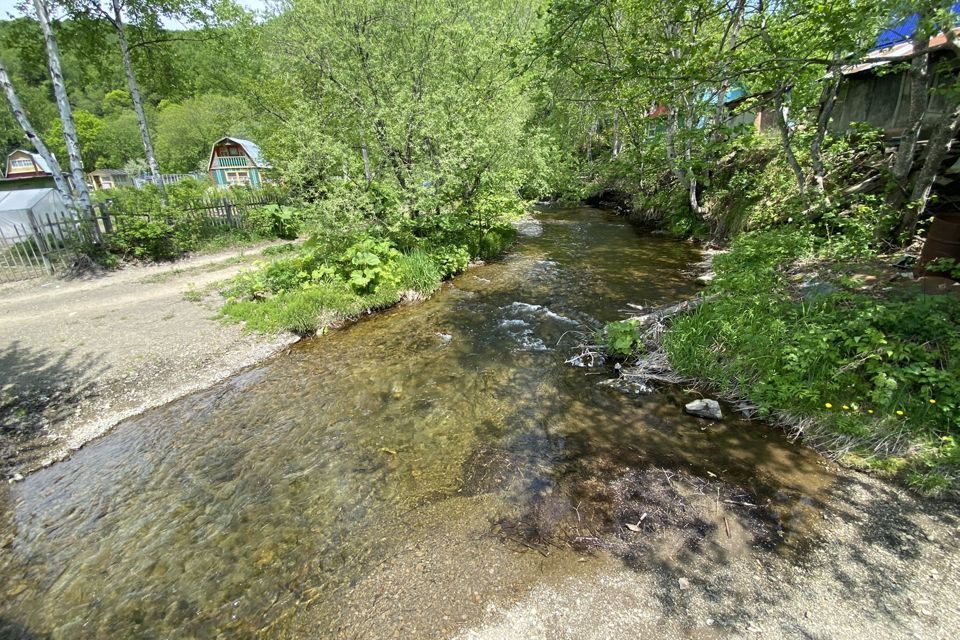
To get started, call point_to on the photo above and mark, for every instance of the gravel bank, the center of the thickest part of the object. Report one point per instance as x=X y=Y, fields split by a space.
x=80 y=355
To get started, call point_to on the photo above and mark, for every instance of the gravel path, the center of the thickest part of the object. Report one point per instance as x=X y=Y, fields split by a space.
x=78 y=356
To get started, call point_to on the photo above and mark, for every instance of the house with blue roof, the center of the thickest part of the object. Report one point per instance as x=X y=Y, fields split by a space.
x=237 y=162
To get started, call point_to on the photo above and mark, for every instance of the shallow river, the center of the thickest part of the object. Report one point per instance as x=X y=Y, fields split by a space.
x=384 y=473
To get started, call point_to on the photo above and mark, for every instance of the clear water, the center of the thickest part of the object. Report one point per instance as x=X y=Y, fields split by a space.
x=286 y=501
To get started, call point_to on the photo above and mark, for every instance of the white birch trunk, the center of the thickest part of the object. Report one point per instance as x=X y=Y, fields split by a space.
x=134 y=87
x=66 y=113
x=21 y=116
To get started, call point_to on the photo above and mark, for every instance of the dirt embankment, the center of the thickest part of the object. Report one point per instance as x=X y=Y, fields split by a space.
x=78 y=356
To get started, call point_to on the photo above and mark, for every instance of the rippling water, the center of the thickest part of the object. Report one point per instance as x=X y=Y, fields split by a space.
x=359 y=471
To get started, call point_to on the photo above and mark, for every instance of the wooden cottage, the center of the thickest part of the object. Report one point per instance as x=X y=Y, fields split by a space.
x=23 y=164
x=108 y=179
x=882 y=100
x=234 y=161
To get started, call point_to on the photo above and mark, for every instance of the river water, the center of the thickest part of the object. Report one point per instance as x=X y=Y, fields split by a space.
x=390 y=479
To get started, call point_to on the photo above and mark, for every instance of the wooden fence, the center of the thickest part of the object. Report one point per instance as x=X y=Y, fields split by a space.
x=45 y=245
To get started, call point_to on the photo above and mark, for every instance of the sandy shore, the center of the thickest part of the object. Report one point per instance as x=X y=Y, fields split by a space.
x=80 y=355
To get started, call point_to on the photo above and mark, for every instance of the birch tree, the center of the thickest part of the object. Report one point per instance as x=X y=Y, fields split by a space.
x=66 y=113
x=35 y=140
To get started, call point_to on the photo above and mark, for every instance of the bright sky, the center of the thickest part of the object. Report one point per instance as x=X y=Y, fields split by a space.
x=9 y=7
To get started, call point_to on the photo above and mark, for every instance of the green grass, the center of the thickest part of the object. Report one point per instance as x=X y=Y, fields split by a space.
x=876 y=375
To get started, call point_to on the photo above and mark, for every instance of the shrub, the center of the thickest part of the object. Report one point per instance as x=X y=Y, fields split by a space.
x=143 y=238
x=622 y=338
x=451 y=259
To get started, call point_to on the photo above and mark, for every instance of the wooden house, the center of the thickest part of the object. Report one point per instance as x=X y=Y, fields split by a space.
x=108 y=179
x=878 y=94
x=234 y=161
x=23 y=164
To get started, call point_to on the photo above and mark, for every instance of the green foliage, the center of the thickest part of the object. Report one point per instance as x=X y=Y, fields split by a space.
x=418 y=272
x=622 y=338
x=451 y=259
x=368 y=264
x=275 y=221
x=143 y=238
x=863 y=367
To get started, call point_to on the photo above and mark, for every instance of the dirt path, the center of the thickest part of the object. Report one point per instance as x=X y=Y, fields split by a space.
x=78 y=356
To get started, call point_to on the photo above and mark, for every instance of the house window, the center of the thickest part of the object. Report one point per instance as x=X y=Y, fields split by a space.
x=233 y=151
x=21 y=163
x=238 y=178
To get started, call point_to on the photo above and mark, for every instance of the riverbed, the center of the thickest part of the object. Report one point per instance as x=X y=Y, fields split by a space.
x=410 y=475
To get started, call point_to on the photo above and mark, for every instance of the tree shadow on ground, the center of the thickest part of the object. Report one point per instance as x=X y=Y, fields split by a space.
x=40 y=388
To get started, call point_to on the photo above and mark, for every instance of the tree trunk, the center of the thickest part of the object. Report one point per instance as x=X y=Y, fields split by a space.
x=117 y=21
x=941 y=141
x=828 y=99
x=66 y=114
x=733 y=31
x=35 y=140
x=616 y=133
x=920 y=80
x=671 y=146
x=788 y=146
x=590 y=132
x=366 y=164
x=688 y=161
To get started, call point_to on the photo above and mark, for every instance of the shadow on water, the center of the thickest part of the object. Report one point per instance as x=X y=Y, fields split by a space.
x=363 y=476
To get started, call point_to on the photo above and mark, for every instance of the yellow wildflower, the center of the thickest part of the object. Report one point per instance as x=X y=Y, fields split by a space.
x=932 y=401
x=846 y=407
x=828 y=405
x=899 y=413
x=869 y=410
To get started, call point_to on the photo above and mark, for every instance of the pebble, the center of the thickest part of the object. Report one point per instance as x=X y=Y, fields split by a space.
x=684 y=584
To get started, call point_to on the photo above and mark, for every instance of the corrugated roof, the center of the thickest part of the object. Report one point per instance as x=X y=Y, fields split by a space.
x=898 y=52
x=22 y=199
x=108 y=172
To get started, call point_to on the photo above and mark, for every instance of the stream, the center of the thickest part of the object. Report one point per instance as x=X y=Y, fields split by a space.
x=396 y=477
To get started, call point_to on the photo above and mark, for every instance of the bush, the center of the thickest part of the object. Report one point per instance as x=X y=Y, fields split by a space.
x=142 y=238
x=622 y=338
x=275 y=221
x=451 y=259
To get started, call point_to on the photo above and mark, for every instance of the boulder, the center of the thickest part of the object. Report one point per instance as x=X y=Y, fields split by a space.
x=704 y=408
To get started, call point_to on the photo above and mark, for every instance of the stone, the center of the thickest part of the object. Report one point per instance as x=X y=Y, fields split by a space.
x=684 y=584
x=704 y=408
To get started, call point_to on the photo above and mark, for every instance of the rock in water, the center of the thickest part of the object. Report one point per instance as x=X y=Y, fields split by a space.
x=704 y=408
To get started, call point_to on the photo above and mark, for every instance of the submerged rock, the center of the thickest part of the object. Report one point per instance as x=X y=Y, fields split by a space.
x=704 y=408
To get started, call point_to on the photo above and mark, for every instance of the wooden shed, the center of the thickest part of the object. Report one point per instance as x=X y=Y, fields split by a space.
x=878 y=94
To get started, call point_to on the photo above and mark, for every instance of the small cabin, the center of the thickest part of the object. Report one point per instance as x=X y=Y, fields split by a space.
x=24 y=164
x=875 y=93
x=108 y=179
x=755 y=112
x=237 y=162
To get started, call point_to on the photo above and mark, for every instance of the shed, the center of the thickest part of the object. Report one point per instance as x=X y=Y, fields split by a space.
x=16 y=208
x=878 y=95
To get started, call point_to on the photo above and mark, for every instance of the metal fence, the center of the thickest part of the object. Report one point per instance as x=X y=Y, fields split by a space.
x=46 y=245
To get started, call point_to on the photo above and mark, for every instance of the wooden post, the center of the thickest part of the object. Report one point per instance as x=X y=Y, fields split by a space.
x=41 y=243
x=228 y=208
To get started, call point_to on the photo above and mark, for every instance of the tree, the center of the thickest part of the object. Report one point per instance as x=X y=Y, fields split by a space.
x=66 y=114
x=35 y=140
x=186 y=131
x=113 y=13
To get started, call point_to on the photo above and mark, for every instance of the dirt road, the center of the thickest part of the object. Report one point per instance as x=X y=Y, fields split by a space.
x=77 y=356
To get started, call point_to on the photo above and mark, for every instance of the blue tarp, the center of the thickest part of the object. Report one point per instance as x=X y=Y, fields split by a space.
x=904 y=30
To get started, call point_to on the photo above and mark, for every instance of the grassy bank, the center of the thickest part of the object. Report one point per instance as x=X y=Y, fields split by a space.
x=340 y=275
x=833 y=341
